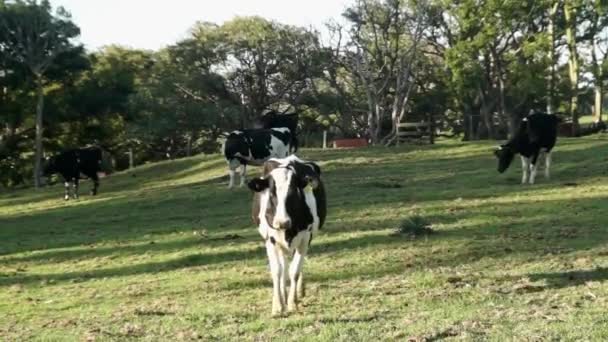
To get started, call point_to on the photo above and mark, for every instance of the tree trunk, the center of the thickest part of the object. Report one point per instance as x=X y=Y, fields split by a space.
x=188 y=146
x=598 y=102
x=378 y=124
x=598 y=74
x=39 y=131
x=552 y=62
x=570 y=15
x=485 y=111
x=467 y=122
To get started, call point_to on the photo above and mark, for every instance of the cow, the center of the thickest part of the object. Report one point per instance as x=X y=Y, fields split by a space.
x=272 y=119
x=536 y=134
x=289 y=208
x=254 y=147
x=72 y=165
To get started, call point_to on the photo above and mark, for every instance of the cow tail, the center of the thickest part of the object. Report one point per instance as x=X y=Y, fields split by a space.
x=294 y=142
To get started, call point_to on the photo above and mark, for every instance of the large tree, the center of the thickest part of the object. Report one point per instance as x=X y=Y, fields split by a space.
x=35 y=37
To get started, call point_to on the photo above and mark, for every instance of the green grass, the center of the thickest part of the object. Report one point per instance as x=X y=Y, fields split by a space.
x=166 y=252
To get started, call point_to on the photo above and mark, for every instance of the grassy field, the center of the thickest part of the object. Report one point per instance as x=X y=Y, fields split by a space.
x=166 y=252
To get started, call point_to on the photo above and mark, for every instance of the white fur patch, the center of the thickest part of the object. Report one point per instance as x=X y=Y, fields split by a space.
x=282 y=179
x=279 y=149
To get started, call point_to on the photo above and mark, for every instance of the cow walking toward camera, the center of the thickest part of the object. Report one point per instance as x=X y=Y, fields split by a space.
x=72 y=165
x=536 y=135
x=289 y=207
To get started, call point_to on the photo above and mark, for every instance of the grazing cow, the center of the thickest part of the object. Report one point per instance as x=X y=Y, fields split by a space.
x=72 y=164
x=289 y=207
x=536 y=134
x=272 y=119
x=255 y=146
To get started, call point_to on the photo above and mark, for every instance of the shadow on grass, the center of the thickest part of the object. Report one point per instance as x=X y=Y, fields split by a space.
x=207 y=205
x=182 y=208
x=558 y=280
x=144 y=175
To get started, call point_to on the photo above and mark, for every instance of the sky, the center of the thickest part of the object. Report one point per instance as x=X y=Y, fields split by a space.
x=153 y=24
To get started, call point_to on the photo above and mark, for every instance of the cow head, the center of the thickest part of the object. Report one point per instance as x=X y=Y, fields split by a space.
x=504 y=154
x=49 y=166
x=283 y=189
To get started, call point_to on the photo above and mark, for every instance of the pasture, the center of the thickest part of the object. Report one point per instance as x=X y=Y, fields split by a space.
x=166 y=252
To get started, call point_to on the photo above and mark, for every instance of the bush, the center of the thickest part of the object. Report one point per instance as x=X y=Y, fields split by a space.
x=414 y=226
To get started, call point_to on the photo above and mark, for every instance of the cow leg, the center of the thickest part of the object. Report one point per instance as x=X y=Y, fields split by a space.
x=232 y=165
x=243 y=174
x=547 y=165
x=278 y=301
x=95 y=180
x=66 y=184
x=533 y=167
x=283 y=278
x=75 y=194
x=295 y=276
x=525 y=167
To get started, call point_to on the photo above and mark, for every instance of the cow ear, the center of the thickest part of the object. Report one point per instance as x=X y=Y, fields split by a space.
x=316 y=168
x=258 y=184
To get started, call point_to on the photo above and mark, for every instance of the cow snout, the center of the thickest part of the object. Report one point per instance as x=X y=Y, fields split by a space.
x=282 y=224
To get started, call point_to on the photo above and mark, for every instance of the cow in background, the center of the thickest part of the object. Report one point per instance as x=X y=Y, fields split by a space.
x=272 y=119
x=273 y=136
x=72 y=165
x=537 y=134
x=254 y=147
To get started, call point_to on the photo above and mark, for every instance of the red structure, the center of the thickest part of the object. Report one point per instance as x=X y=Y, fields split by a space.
x=350 y=143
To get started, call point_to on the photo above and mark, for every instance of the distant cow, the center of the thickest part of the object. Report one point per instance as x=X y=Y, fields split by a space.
x=72 y=165
x=272 y=119
x=255 y=146
x=537 y=133
x=289 y=207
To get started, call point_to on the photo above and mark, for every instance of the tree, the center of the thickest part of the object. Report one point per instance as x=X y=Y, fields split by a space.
x=570 y=15
x=32 y=36
x=597 y=33
x=267 y=63
x=382 y=57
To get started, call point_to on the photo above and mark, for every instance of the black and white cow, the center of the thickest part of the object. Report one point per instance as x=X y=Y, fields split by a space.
x=272 y=119
x=537 y=133
x=289 y=207
x=72 y=165
x=254 y=147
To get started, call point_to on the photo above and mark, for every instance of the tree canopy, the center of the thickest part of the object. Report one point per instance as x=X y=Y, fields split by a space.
x=475 y=66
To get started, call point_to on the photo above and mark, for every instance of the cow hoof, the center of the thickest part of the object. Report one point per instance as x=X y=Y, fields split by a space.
x=66 y=198
x=292 y=308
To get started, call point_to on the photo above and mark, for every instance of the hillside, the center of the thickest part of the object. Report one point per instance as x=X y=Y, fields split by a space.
x=166 y=252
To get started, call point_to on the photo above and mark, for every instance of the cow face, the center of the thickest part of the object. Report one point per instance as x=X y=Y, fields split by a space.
x=505 y=155
x=284 y=190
